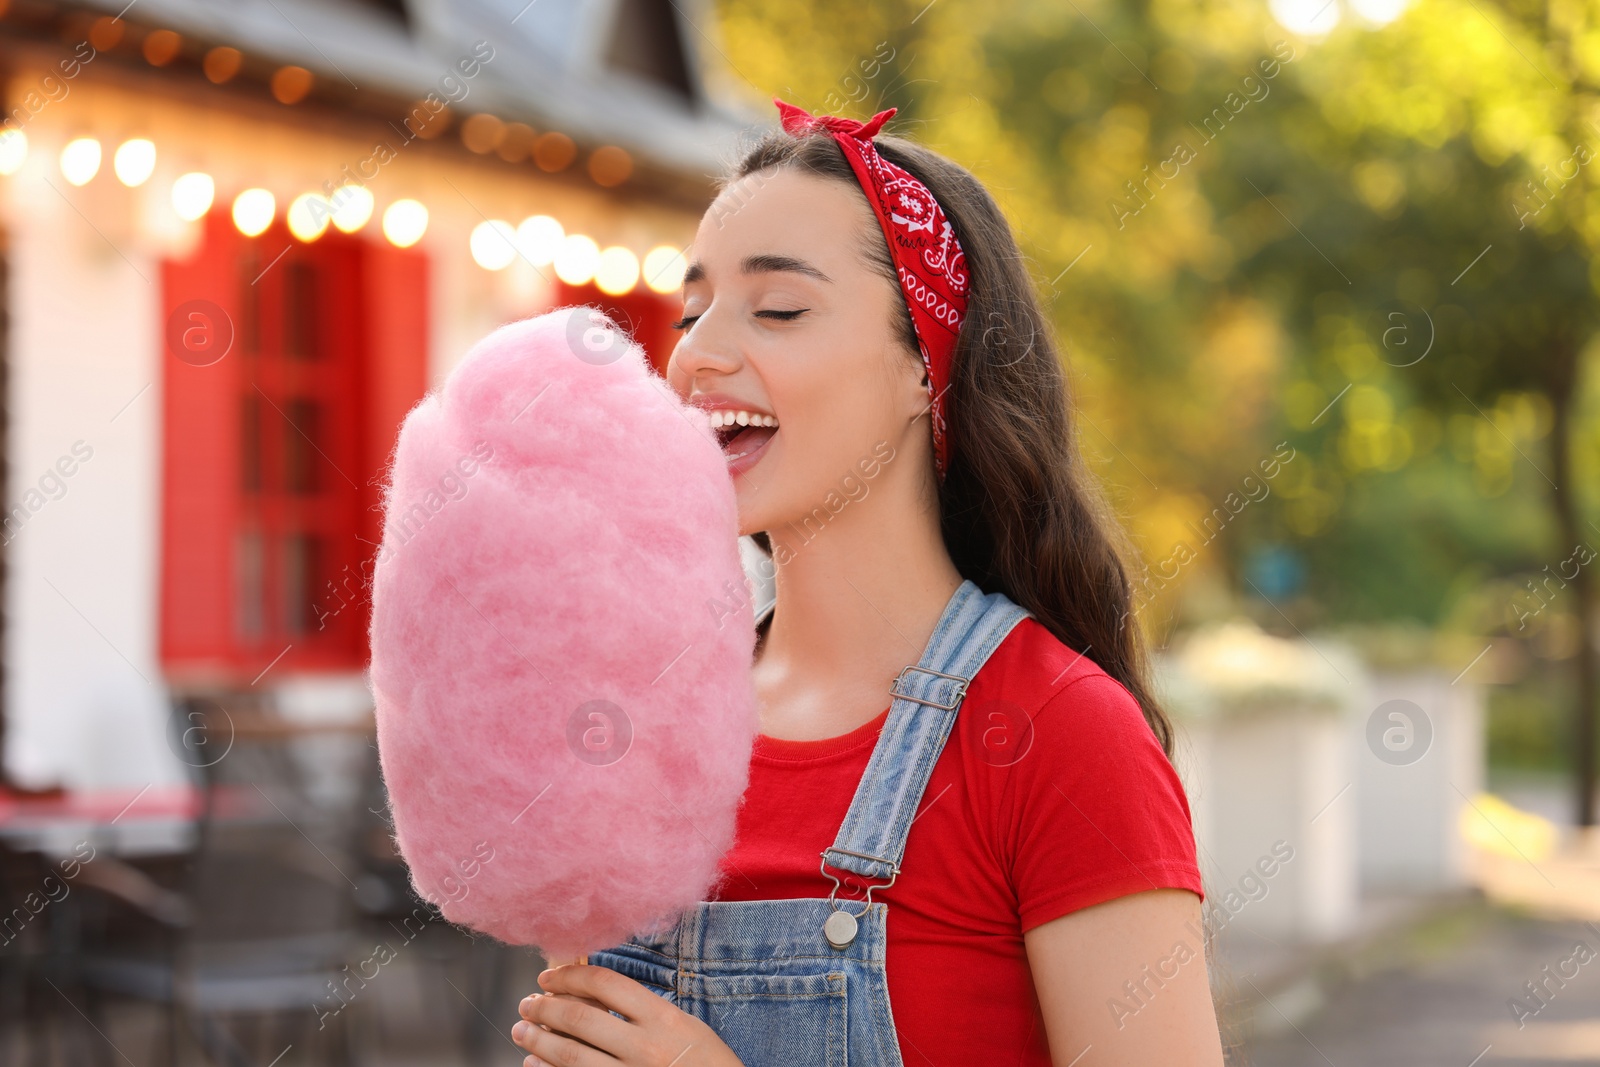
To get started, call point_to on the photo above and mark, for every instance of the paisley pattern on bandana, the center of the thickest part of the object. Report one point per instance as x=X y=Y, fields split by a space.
x=928 y=259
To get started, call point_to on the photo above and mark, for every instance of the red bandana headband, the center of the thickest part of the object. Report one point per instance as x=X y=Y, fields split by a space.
x=926 y=254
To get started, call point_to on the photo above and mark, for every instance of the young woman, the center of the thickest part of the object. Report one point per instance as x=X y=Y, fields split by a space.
x=1007 y=868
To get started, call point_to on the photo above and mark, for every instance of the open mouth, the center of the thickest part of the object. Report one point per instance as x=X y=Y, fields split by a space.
x=742 y=440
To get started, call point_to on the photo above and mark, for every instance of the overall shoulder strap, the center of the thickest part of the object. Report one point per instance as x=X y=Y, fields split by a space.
x=872 y=838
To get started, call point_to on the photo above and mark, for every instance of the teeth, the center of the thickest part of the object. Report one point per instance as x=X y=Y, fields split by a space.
x=720 y=419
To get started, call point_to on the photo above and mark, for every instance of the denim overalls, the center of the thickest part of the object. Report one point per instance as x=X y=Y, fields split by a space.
x=787 y=983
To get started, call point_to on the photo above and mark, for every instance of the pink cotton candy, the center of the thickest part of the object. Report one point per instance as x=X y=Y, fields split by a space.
x=559 y=571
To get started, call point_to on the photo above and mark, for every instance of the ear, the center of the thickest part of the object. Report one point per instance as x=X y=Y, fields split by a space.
x=914 y=382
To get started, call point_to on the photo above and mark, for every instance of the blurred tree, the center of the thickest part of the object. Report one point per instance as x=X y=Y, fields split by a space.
x=1435 y=169
x=1377 y=245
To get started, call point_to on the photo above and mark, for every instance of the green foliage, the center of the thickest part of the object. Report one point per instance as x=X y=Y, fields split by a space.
x=1527 y=728
x=1379 y=246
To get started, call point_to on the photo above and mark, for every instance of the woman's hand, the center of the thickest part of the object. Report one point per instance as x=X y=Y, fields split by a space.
x=580 y=997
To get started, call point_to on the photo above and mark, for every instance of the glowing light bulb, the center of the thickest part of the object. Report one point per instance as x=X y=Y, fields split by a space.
x=192 y=195
x=663 y=269
x=578 y=259
x=493 y=245
x=80 y=160
x=308 y=216
x=134 y=161
x=253 y=210
x=352 y=207
x=540 y=237
x=404 y=222
x=13 y=151
x=617 y=271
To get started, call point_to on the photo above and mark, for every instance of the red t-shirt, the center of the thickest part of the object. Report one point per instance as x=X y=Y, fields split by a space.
x=1050 y=795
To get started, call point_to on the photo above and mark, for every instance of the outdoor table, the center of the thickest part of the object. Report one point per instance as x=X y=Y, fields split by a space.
x=152 y=820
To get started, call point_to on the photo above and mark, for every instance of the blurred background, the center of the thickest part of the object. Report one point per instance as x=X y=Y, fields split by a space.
x=1324 y=273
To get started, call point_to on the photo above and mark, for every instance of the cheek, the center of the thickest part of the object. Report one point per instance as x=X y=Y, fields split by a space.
x=813 y=389
x=831 y=415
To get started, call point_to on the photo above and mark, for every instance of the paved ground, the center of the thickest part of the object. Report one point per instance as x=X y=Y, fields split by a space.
x=1422 y=984
x=1438 y=996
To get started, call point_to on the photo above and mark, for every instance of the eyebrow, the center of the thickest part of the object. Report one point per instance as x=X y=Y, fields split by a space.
x=760 y=264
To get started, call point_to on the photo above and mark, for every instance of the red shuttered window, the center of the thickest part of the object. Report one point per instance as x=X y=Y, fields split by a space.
x=287 y=370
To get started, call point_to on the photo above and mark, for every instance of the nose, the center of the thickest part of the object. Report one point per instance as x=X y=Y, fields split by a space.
x=704 y=350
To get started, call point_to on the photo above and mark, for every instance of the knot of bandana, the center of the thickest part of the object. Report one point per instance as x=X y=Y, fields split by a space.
x=927 y=257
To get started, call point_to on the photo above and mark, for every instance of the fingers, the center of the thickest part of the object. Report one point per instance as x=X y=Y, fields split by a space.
x=617 y=992
x=527 y=1002
x=557 y=1023
x=547 y=1048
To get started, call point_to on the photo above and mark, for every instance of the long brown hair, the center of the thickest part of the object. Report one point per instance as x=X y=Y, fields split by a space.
x=1020 y=511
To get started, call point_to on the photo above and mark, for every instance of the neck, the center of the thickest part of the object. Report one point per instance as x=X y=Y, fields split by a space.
x=864 y=591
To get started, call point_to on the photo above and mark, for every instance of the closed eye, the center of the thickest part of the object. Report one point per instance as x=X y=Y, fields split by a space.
x=784 y=316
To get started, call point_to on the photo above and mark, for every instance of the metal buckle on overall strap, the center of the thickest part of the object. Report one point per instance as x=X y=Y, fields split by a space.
x=961 y=690
x=840 y=927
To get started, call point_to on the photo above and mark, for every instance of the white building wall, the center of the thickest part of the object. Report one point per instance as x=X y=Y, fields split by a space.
x=85 y=701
